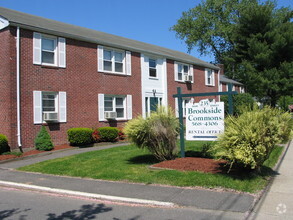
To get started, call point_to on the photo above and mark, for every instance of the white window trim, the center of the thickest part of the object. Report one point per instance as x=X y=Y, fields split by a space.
x=127 y=106
x=114 y=105
x=126 y=63
x=60 y=106
x=155 y=59
x=56 y=99
x=212 y=77
x=176 y=69
x=59 y=51
x=55 y=50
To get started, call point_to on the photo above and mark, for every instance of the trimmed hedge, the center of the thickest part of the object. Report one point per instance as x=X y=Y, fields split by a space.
x=4 y=147
x=80 y=136
x=108 y=134
x=43 y=140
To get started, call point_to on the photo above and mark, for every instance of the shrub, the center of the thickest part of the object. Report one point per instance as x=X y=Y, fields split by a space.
x=121 y=134
x=96 y=136
x=43 y=140
x=241 y=102
x=108 y=134
x=4 y=147
x=157 y=133
x=80 y=136
x=249 y=139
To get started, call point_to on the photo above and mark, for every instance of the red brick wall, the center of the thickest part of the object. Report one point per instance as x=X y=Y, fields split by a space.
x=198 y=86
x=8 y=85
x=80 y=80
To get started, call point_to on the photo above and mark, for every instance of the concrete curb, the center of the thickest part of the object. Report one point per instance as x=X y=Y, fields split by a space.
x=87 y=195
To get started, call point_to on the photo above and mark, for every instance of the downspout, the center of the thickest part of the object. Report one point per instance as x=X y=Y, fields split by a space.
x=18 y=87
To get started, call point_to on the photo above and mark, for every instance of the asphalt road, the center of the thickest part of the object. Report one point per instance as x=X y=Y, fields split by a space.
x=23 y=205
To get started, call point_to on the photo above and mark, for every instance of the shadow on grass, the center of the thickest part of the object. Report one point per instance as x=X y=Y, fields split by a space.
x=147 y=159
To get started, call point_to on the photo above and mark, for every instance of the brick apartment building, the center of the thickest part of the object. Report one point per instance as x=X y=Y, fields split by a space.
x=65 y=76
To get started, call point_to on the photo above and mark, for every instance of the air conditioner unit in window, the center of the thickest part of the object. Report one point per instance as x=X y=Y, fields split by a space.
x=110 y=115
x=50 y=116
x=188 y=78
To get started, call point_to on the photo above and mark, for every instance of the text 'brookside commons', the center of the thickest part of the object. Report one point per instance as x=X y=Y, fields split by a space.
x=204 y=120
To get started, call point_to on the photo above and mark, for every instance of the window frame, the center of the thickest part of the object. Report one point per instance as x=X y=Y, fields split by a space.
x=182 y=72
x=212 y=77
x=153 y=68
x=55 y=40
x=56 y=101
x=114 y=105
x=113 y=61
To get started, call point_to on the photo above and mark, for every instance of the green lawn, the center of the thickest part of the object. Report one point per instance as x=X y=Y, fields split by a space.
x=128 y=163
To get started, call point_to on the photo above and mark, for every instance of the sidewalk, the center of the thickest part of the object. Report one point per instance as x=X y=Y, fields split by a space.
x=225 y=205
x=277 y=202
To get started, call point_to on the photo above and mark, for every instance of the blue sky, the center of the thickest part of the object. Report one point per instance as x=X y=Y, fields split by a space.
x=144 y=20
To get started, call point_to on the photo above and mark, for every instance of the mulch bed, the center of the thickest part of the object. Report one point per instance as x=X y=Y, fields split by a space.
x=194 y=164
x=33 y=152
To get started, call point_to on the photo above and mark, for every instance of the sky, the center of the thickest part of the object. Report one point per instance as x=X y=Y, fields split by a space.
x=143 y=20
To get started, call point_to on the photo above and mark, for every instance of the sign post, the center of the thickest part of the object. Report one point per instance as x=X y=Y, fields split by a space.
x=179 y=95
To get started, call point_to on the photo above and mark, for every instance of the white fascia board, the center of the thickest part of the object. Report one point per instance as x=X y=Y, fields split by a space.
x=3 y=23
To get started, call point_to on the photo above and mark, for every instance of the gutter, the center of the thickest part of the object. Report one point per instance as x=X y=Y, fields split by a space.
x=18 y=86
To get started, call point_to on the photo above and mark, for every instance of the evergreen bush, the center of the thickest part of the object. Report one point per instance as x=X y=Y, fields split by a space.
x=4 y=147
x=157 y=133
x=43 y=140
x=108 y=134
x=241 y=102
x=80 y=136
x=249 y=139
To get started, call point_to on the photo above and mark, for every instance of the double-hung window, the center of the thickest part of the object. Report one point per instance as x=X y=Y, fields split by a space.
x=114 y=61
x=184 y=102
x=209 y=77
x=152 y=68
x=115 y=107
x=49 y=50
x=183 y=72
x=49 y=106
x=115 y=104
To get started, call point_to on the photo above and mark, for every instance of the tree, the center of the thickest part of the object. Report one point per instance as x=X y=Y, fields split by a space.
x=253 y=40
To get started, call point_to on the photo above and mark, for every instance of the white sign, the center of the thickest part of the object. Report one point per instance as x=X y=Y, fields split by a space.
x=204 y=120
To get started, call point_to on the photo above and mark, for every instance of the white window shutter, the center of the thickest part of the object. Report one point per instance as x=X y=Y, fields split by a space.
x=176 y=71
x=128 y=63
x=206 y=76
x=191 y=72
x=146 y=62
x=37 y=51
x=100 y=58
x=38 y=117
x=62 y=52
x=101 y=107
x=62 y=107
x=213 y=78
x=129 y=106
x=176 y=108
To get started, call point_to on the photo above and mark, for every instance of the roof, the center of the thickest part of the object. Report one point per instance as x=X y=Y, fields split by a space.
x=45 y=25
x=225 y=79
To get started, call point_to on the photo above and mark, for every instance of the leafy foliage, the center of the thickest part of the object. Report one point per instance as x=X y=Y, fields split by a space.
x=157 y=133
x=80 y=136
x=43 y=140
x=241 y=102
x=249 y=139
x=109 y=134
x=254 y=41
x=4 y=147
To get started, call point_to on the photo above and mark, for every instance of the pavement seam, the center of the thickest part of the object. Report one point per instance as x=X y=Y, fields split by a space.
x=88 y=195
